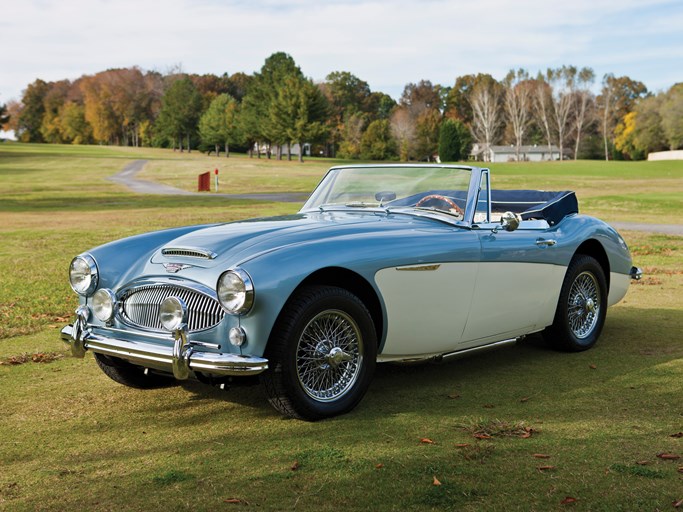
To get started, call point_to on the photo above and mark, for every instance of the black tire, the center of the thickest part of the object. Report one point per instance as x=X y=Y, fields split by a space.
x=315 y=372
x=130 y=375
x=582 y=306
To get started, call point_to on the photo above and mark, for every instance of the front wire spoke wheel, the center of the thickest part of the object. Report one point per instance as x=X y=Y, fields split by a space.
x=329 y=355
x=321 y=354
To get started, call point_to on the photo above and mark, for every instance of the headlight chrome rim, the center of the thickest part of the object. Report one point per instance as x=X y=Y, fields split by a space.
x=83 y=275
x=235 y=291
x=104 y=304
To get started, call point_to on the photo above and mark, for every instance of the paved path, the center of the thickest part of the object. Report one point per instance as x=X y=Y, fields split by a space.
x=669 y=229
x=127 y=178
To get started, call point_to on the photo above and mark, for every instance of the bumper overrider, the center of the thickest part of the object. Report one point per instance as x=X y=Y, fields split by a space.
x=180 y=359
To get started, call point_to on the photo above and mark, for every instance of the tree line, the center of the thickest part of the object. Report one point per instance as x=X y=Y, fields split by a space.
x=278 y=107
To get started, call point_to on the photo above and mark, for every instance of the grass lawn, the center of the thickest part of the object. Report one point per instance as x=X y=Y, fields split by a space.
x=523 y=428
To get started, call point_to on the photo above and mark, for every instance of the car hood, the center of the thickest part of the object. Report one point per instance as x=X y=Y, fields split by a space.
x=234 y=243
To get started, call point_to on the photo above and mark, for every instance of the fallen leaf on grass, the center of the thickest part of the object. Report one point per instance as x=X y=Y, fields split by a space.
x=379 y=466
x=568 y=500
x=680 y=469
x=481 y=436
x=593 y=367
x=545 y=468
x=677 y=504
x=489 y=406
x=236 y=501
x=462 y=445
x=524 y=399
x=426 y=440
x=677 y=435
x=436 y=481
x=295 y=466
x=40 y=357
x=643 y=462
x=527 y=433
x=541 y=456
x=668 y=456
x=454 y=396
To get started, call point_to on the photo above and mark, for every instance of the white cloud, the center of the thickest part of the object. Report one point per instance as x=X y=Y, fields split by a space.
x=387 y=43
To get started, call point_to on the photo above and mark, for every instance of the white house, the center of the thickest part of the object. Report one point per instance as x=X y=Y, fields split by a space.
x=535 y=153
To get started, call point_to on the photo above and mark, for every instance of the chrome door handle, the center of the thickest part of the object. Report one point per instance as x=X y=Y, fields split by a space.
x=542 y=242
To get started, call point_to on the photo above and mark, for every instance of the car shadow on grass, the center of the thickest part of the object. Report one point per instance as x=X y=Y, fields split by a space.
x=530 y=374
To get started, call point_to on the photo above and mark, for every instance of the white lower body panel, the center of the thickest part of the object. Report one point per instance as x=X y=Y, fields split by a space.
x=462 y=305
x=618 y=286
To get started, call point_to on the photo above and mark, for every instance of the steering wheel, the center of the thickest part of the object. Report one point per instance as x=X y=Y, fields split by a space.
x=445 y=199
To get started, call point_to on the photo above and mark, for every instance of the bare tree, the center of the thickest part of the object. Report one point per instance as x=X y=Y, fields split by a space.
x=518 y=104
x=605 y=102
x=583 y=98
x=487 y=119
x=561 y=80
x=543 y=108
x=403 y=130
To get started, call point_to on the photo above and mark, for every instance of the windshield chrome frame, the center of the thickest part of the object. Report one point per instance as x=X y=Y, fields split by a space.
x=472 y=192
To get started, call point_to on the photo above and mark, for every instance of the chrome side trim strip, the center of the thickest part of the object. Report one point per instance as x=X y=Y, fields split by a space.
x=420 y=268
x=490 y=346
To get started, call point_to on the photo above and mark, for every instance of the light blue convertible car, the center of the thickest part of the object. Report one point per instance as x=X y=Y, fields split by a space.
x=382 y=263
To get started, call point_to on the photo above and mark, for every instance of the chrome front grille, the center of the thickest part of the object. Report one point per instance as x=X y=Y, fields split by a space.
x=139 y=307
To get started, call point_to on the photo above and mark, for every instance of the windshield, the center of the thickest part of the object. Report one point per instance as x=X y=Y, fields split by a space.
x=429 y=187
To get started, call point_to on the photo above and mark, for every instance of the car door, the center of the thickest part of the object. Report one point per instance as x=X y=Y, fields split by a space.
x=517 y=284
x=428 y=297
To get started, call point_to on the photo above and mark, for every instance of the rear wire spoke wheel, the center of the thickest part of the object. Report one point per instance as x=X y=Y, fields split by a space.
x=321 y=354
x=581 y=308
x=584 y=305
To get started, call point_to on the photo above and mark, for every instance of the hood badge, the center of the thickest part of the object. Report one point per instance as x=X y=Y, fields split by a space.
x=172 y=268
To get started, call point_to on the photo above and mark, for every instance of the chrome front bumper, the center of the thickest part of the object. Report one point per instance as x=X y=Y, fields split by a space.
x=179 y=359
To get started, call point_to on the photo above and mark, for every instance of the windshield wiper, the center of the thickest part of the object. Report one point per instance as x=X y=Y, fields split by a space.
x=322 y=207
x=410 y=210
x=439 y=210
x=361 y=204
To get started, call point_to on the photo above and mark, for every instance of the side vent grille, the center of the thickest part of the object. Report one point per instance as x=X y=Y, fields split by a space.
x=188 y=252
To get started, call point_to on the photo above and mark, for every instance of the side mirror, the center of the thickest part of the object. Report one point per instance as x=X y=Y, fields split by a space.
x=509 y=222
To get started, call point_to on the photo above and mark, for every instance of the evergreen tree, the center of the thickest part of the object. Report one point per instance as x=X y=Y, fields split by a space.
x=262 y=92
x=180 y=112
x=298 y=114
x=31 y=117
x=377 y=142
x=455 y=141
x=218 y=125
x=4 y=116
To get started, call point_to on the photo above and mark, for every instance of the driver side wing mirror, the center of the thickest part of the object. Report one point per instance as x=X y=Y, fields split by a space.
x=509 y=222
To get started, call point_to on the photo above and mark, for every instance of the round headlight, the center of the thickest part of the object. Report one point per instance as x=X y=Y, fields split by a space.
x=83 y=275
x=172 y=313
x=103 y=304
x=235 y=291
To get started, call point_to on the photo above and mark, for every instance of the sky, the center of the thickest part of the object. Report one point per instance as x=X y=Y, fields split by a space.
x=387 y=43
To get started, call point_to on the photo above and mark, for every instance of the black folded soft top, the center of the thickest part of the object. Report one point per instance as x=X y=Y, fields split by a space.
x=535 y=204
